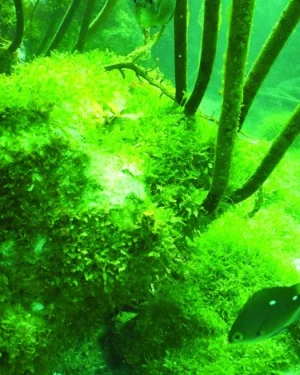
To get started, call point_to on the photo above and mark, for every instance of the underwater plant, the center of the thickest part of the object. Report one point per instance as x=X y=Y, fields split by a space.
x=122 y=247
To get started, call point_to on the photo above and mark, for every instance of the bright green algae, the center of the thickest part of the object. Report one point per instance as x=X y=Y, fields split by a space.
x=99 y=176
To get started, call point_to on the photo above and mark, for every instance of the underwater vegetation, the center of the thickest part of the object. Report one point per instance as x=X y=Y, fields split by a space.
x=134 y=229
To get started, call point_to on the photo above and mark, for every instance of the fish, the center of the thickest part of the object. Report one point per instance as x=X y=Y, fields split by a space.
x=154 y=12
x=265 y=314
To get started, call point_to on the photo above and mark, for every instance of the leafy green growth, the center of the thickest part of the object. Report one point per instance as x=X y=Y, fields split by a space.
x=231 y=260
x=99 y=179
x=77 y=222
x=23 y=337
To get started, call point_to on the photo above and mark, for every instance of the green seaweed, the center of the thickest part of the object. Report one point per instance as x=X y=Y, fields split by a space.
x=100 y=182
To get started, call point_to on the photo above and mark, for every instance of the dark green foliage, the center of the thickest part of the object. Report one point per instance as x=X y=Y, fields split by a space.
x=23 y=338
x=169 y=322
x=83 y=356
x=7 y=27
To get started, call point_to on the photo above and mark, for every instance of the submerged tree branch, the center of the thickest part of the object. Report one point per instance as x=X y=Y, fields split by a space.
x=8 y=55
x=101 y=17
x=42 y=46
x=235 y=67
x=79 y=46
x=63 y=26
x=180 y=40
x=208 y=53
x=140 y=72
x=257 y=204
x=16 y=43
x=271 y=160
x=268 y=54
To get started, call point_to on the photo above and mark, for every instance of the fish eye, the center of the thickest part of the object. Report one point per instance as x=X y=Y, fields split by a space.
x=295 y=298
x=237 y=336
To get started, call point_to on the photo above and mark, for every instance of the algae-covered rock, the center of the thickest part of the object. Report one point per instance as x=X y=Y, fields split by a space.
x=79 y=234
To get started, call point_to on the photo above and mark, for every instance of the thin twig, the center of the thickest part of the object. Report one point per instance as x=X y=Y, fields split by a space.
x=140 y=72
